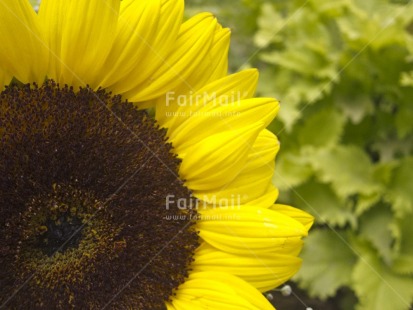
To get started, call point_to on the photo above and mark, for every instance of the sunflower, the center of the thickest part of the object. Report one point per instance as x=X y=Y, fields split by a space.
x=106 y=206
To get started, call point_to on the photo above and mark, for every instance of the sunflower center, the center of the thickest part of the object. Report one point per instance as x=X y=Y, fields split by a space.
x=59 y=223
x=86 y=215
x=61 y=234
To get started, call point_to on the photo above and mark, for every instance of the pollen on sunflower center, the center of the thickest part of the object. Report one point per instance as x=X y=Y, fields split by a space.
x=83 y=183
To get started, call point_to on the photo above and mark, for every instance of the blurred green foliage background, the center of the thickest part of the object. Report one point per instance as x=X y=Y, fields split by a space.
x=343 y=71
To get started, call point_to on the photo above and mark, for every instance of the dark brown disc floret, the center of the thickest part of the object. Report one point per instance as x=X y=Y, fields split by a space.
x=86 y=215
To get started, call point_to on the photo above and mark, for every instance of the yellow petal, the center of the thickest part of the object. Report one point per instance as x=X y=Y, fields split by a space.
x=303 y=217
x=222 y=117
x=247 y=186
x=217 y=159
x=214 y=66
x=218 y=290
x=192 y=44
x=5 y=79
x=169 y=306
x=254 y=179
x=250 y=222
x=51 y=16
x=146 y=33
x=264 y=271
x=265 y=200
x=249 y=229
x=83 y=40
x=177 y=108
x=237 y=245
x=185 y=304
x=264 y=150
x=23 y=51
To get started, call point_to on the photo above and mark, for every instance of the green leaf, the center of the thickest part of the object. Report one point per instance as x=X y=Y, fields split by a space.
x=291 y=170
x=331 y=8
x=290 y=113
x=274 y=84
x=375 y=227
x=355 y=106
x=391 y=149
x=365 y=202
x=327 y=263
x=321 y=201
x=302 y=63
x=381 y=174
x=347 y=168
x=404 y=116
x=322 y=129
x=377 y=27
x=403 y=262
x=270 y=23
x=400 y=192
x=378 y=287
